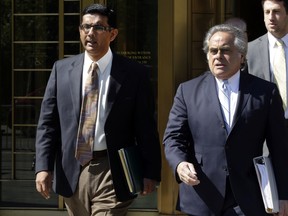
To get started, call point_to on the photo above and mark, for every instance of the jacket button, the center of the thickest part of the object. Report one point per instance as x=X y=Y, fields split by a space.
x=226 y=169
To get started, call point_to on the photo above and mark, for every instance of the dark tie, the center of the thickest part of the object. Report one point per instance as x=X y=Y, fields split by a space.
x=86 y=131
x=224 y=97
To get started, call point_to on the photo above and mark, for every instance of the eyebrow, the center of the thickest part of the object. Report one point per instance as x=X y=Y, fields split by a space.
x=215 y=50
x=225 y=47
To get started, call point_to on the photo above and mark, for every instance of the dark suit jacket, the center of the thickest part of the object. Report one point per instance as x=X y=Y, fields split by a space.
x=196 y=133
x=129 y=120
x=258 y=57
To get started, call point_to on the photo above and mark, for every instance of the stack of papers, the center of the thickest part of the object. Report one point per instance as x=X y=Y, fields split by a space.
x=267 y=183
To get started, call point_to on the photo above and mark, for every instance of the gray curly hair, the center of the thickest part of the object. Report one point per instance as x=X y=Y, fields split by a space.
x=240 y=39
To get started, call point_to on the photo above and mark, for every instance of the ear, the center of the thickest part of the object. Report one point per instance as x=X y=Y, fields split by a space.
x=242 y=59
x=114 y=33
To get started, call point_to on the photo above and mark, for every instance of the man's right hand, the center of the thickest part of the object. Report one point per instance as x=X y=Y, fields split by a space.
x=44 y=183
x=187 y=173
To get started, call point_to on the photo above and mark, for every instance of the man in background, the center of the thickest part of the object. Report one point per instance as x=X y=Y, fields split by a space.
x=262 y=56
x=237 y=22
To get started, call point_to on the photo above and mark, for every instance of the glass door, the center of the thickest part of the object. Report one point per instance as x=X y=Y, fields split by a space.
x=35 y=34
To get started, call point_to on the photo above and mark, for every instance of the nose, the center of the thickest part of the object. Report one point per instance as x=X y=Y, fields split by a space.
x=271 y=15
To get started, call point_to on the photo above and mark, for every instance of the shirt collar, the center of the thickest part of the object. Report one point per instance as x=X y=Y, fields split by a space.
x=272 y=40
x=102 y=63
x=232 y=81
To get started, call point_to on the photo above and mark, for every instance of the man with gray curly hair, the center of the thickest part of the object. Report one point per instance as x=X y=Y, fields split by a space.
x=240 y=41
x=217 y=125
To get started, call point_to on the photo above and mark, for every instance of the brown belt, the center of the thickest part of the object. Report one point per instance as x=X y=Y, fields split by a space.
x=98 y=154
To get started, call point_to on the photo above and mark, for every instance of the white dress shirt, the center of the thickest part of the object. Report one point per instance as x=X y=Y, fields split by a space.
x=234 y=88
x=104 y=69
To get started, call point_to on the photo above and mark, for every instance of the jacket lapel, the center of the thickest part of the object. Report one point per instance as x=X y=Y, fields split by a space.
x=243 y=95
x=117 y=76
x=75 y=76
x=263 y=49
x=212 y=97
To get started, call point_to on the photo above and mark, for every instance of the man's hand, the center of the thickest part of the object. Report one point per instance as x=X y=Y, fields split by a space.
x=187 y=173
x=44 y=183
x=149 y=186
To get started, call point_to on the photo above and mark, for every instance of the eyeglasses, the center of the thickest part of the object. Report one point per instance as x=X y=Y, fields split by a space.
x=98 y=28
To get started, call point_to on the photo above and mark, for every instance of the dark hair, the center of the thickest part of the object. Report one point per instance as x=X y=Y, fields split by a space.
x=102 y=10
x=285 y=3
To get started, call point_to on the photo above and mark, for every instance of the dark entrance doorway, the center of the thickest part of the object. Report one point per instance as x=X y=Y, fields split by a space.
x=251 y=11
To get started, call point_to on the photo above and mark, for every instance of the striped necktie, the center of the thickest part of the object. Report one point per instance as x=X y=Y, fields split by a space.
x=86 y=131
x=279 y=67
x=224 y=97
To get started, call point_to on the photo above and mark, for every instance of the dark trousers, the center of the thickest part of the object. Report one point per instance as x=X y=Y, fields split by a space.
x=230 y=207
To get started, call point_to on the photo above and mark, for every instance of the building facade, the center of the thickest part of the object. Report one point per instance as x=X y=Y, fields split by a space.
x=165 y=35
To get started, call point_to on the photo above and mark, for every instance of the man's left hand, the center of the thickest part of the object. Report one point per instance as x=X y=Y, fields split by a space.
x=149 y=186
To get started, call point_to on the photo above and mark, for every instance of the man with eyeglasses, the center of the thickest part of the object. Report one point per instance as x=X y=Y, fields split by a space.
x=125 y=117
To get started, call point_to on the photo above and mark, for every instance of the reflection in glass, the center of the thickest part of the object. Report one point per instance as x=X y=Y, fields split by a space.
x=23 y=194
x=26 y=110
x=36 y=28
x=6 y=160
x=71 y=7
x=71 y=48
x=25 y=137
x=137 y=39
x=36 y=6
x=6 y=53
x=5 y=121
x=30 y=83
x=71 y=28
x=23 y=167
x=30 y=56
x=145 y=202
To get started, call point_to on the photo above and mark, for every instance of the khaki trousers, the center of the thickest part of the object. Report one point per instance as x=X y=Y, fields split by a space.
x=95 y=195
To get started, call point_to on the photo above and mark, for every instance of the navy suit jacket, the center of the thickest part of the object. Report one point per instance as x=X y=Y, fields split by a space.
x=129 y=121
x=196 y=133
